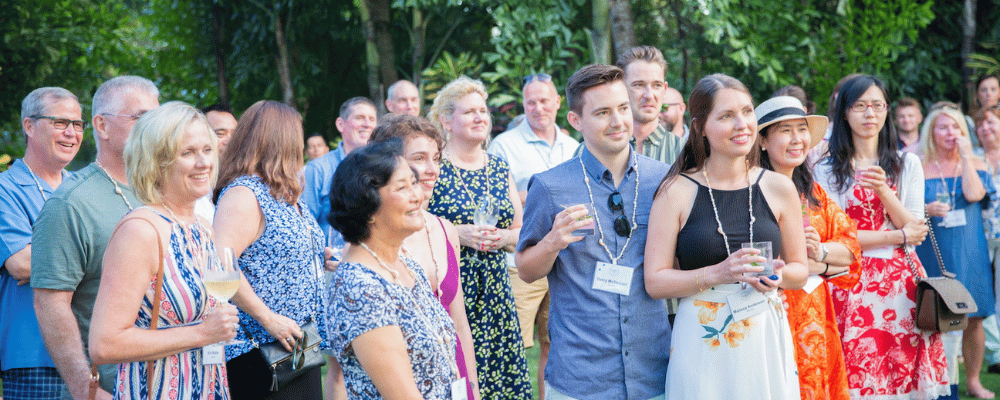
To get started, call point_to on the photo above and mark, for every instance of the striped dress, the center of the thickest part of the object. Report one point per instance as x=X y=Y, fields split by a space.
x=184 y=302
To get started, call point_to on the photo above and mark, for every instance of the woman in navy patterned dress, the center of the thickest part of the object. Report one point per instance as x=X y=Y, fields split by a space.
x=469 y=176
x=390 y=334
x=261 y=216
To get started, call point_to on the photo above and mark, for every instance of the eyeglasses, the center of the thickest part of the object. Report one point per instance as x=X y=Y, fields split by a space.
x=666 y=106
x=536 y=77
x=877 y=106
x=131 y=117
x=62 y=123
x=617 y=204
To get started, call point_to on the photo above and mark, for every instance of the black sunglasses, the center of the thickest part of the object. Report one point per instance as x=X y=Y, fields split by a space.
x=617 y=204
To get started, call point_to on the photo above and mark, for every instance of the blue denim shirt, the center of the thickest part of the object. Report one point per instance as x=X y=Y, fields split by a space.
x=316 y=191
x=604 y=345
x=20 y=202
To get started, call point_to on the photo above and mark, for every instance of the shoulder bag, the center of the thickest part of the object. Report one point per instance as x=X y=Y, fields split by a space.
x=943 y=303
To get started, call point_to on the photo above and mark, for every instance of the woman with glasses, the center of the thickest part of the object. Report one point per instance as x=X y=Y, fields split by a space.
x=475 y=192
x=731 y=337
x=882 y=190
x=956 y=186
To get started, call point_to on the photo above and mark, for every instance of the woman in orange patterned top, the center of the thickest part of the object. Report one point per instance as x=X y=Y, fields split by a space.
x=786 y=135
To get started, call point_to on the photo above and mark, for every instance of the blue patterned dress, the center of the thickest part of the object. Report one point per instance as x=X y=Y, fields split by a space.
x=184 y=302
x=283 y=267
x=489 y=304
x=362 y=300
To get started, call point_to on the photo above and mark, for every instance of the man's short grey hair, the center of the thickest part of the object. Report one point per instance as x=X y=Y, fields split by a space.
x=108 y=98
x=391 y=92
x=38 y=101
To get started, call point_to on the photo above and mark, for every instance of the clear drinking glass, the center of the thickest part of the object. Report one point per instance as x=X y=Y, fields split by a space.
x=765 y=251
x=221 y=278
x=943 y=196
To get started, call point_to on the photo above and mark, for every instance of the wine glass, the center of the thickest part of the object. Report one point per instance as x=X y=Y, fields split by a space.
x=487 y=212
x=221 y=278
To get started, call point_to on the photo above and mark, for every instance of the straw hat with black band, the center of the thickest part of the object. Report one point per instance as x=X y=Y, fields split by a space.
x=783 y=108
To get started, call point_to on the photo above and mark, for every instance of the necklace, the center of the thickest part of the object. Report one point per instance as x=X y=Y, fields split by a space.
x=37 y=183
x=635 y=201
x=437 y=265
x=715 y=209
x=461 y=179
x=114 y=182
x=954 y=184
x=395 y=275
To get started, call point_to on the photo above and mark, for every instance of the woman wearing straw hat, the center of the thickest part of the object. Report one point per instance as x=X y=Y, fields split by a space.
x=786 y=135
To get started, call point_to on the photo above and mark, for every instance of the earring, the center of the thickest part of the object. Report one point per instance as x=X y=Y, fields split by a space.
x=762 y=149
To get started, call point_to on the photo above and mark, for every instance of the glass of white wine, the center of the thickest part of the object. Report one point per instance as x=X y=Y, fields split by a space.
x=221 y=277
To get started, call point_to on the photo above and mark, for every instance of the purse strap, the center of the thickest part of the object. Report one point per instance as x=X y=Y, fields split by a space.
x=937 y=253
x=154 y=316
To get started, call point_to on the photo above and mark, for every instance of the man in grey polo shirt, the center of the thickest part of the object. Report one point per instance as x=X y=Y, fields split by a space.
x=610 y=340
x=73 y=228
x=535 y=145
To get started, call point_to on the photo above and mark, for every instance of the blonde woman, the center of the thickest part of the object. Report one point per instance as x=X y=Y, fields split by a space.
x=956 y=189
x=469 y=177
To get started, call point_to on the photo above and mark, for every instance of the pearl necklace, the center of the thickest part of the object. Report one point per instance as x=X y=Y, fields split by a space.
x=725 y=238
x=114 y=182
x=437 y=265
x=394 y=273
x=635 y=202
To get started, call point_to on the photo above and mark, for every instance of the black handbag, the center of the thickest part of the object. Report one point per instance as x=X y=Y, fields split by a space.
x=304 y=357
x=943 y=303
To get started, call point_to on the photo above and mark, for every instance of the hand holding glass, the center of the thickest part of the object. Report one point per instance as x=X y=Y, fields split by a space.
x=765 y=251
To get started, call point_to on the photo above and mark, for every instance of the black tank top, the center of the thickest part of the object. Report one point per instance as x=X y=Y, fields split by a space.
x=699 y=243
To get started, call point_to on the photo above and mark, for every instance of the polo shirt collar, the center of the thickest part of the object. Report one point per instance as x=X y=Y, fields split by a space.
x=656 y=138
x=598 y=171
x=529 y=135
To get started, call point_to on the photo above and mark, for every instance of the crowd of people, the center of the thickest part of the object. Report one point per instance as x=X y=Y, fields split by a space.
x=422 y=255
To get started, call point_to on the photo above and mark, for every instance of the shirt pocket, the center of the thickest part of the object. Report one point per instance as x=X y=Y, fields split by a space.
x=642 y=220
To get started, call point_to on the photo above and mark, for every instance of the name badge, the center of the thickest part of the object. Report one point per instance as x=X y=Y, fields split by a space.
x=458 y=390
x=746 y=303
x=812 y=283
x=884 y=253
x=213 y=354
x=954 y=219
x=613 y=278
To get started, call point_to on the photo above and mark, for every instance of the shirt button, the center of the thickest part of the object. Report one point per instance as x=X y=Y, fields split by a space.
x=626 y=353
x=625 y=320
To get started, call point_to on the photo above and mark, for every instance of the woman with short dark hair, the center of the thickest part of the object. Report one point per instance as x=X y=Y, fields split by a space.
x=392 y=337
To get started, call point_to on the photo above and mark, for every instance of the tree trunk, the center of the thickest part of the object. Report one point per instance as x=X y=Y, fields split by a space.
x=623 y=28
x=284 y=72
x=387 y=54
x=417 y=38
x=219 y=39
x=600 y=34
x=968 y=37
x=371 y=53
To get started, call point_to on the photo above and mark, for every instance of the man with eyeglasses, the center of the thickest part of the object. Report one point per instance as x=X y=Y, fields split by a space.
x=52 y=122
x=73 y=229
x=645 y=75
x=610 y=339
x=535 y=145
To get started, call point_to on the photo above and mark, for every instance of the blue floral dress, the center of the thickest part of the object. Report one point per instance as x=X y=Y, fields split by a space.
x=362 y=300
x=283 y=266
x=489 y=304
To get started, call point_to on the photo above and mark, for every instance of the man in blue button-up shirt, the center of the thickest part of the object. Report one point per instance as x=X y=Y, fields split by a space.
x=610 y=340
x=53 y=124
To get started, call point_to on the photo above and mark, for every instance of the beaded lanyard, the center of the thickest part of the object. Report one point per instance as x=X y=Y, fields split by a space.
x=711 y=196
x=635 y=201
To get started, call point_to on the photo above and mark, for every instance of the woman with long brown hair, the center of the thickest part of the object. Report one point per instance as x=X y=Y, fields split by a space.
x=261 y=216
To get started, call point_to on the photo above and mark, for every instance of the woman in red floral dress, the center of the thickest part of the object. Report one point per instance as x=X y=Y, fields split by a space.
x=880 y=188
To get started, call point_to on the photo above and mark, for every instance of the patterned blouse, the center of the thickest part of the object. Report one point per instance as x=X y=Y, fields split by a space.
x=283 y=266
x=362 y=300
x=991 y=214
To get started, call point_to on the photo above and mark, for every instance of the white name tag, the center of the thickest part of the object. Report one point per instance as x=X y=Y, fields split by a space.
x=746 y=303
x=880 y=252
x=613 y=278
x=954 y=219
x=213 y=354
x=812 y=283
x=458 y=390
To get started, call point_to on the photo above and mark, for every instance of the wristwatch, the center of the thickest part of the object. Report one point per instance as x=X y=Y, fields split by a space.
x=826 y=251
